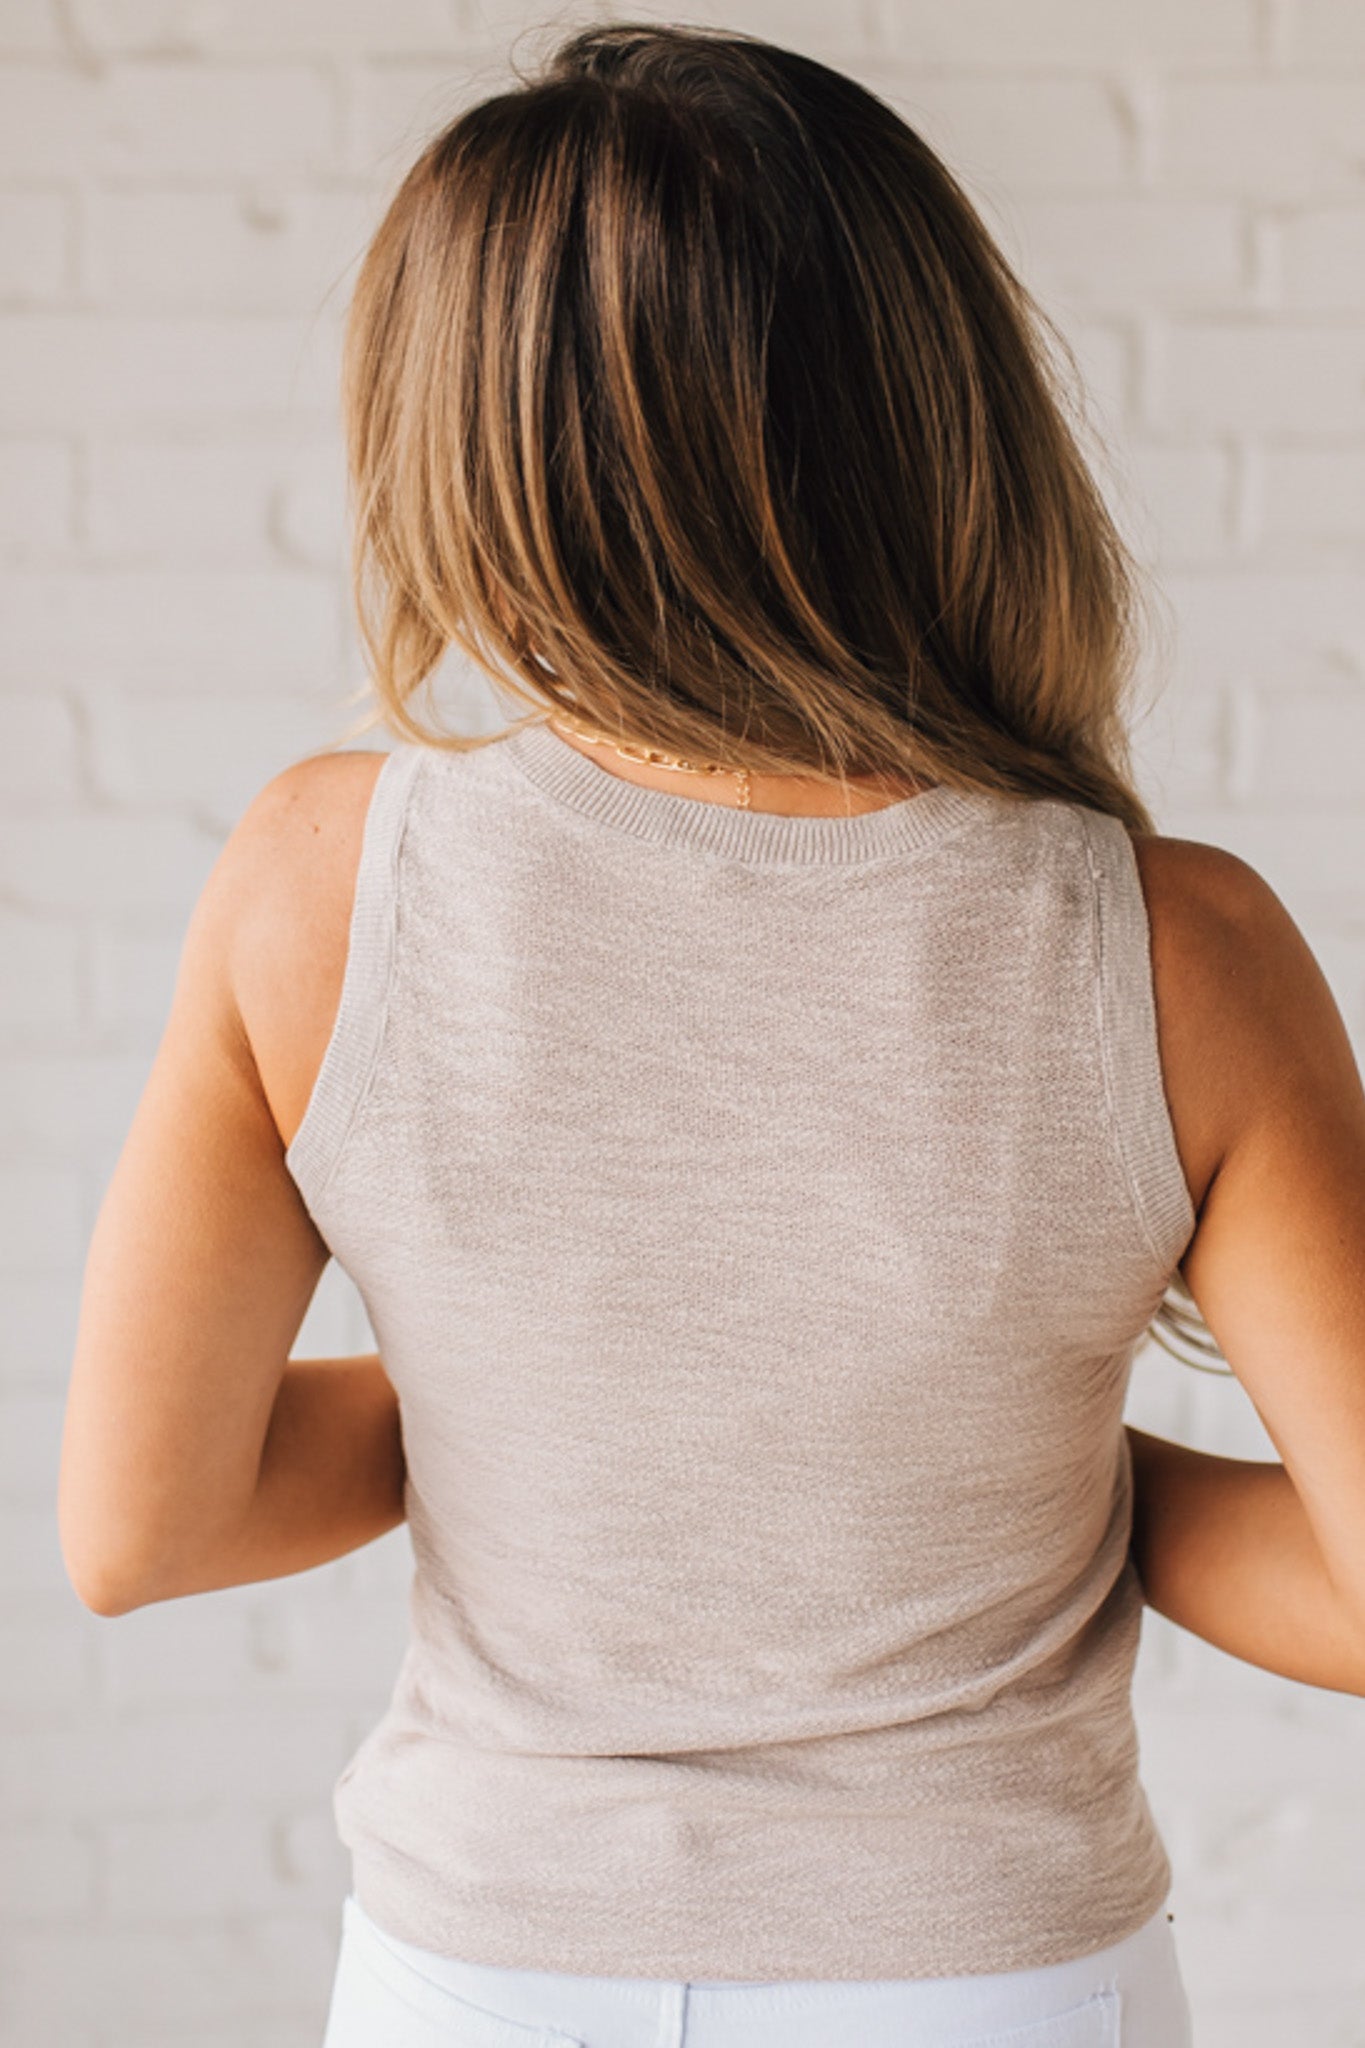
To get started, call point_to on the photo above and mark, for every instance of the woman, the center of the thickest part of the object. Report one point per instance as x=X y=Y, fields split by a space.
x=763 y=1100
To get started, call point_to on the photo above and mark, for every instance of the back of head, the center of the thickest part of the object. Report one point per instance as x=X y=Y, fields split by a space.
x=687 y=392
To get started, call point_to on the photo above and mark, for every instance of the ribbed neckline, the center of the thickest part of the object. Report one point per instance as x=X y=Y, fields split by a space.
x=907 y=826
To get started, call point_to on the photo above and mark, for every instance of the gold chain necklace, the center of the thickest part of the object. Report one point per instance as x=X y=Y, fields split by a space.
x=654 y=757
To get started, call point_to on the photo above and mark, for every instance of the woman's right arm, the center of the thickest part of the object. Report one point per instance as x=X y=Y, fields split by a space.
x=1267 y=1560
x=1224 y=1549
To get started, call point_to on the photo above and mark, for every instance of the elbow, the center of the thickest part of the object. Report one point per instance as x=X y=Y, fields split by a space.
x=112 y=1578
x=101 y=1586
x=109 y=1604
x=101 y=1591
x=99 y=1573
x=107 y=1549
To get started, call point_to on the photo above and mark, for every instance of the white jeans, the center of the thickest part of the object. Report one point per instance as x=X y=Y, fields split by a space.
x=388 y=1994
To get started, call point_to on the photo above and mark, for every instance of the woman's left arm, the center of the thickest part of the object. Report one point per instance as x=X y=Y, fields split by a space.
x=331 y=1478
x=195 y=1452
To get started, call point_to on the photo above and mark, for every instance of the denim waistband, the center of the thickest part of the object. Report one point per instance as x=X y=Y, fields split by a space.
x=1072 y=2004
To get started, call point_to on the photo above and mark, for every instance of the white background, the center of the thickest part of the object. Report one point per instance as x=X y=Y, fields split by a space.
x=184 y=189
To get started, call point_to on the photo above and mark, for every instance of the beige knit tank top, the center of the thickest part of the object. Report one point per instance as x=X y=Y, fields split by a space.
x=756 y=1217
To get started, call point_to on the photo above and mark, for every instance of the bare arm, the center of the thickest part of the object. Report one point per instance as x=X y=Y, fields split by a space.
x=331 y=1479
x=1267 y=1560
x=196 y=1452
x=1224 y=1549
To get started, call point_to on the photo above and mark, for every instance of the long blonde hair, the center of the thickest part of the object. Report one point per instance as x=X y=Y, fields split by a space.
x=687 y=394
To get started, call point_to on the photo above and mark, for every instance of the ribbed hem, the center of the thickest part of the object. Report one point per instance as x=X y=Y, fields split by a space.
x=352 y=1049
x=762 y=837
x=1134 y=1082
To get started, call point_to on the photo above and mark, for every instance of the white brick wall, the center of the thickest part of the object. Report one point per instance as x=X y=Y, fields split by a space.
x=184 y=190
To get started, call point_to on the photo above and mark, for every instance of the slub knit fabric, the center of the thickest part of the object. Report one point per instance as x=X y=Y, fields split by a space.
x=757 y=1217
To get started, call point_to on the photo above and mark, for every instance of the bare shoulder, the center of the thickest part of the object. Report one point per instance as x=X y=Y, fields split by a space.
x=309 y=803
x=292 y=856
x=1222 y=933
x=290 y=868
x=1193 y=881
x=1243 y=1007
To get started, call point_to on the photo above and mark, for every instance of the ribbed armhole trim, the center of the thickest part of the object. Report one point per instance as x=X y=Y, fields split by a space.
x=1134 y=1085
x=348 y=1064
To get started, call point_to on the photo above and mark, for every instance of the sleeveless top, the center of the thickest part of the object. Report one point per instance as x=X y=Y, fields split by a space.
x=756 y=1217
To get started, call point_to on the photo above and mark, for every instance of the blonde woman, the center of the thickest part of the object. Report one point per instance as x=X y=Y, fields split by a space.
x=763 y=1097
